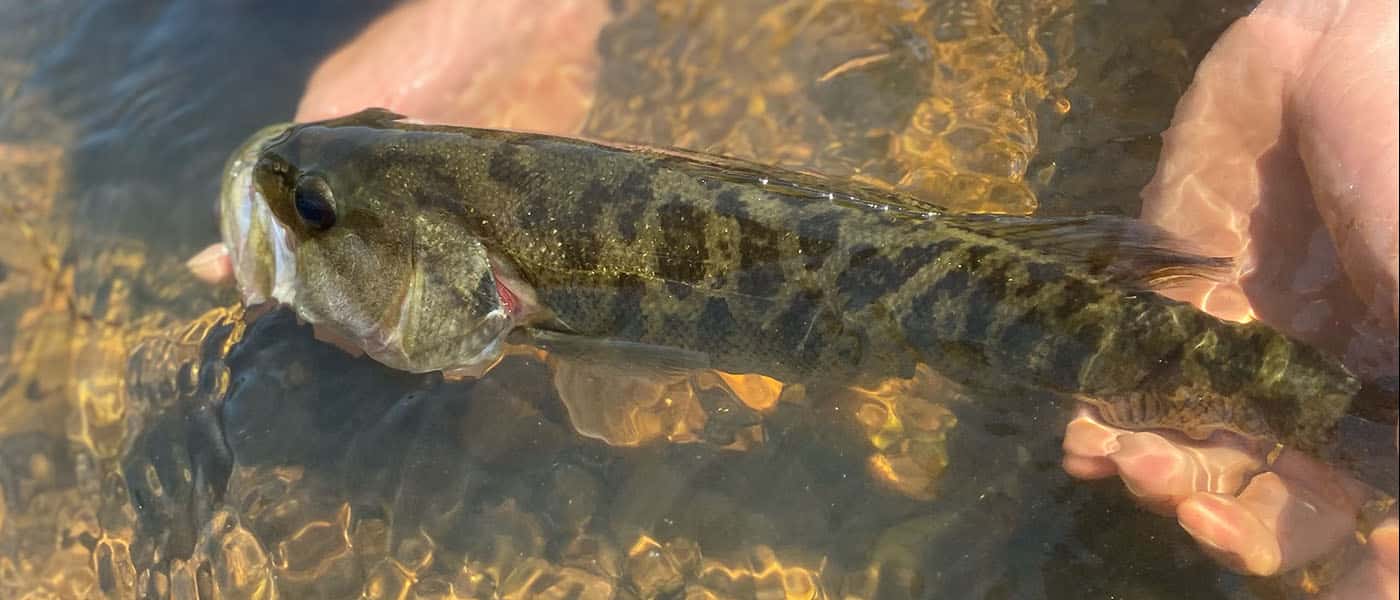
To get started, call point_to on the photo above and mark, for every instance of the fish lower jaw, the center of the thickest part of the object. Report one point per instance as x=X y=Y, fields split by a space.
x=257 y=247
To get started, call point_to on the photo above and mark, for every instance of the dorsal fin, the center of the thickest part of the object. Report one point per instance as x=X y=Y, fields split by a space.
x=1119 y=250
x=369 y=117
x=786 y=181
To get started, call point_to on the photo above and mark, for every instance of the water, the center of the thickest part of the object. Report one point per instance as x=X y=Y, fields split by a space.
x=150 y=447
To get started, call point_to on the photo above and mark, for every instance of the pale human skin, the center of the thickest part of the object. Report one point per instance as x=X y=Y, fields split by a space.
x=1288 y=133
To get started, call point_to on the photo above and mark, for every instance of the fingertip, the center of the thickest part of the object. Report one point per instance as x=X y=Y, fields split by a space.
x=1230 y=533
x=1384 y=544
x=1085 y=436
x=1153 y=469
x=211 y=265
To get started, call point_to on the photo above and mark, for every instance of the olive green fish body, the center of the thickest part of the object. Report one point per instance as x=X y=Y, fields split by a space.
x=785 y=274
x=663 y=251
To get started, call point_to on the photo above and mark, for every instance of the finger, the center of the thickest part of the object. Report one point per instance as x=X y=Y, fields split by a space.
x=1087 y=445
x=494 y=64
x=1384 y=544
x=1230 y=532
x=1157 y=472
x=1088 y=468
x=1087 y=437
x=1275 y=524
x=1343 y=108
x=1376 y=577
x=1331 y=486
x=212 y=265
x=1305 y=523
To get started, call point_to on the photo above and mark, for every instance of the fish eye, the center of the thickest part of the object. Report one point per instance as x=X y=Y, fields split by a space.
x=313 y=201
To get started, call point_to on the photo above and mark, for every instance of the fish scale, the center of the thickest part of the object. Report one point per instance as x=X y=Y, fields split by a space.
x=759 y=270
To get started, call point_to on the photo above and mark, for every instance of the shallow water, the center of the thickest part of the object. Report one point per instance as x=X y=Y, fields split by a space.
x=150 y=447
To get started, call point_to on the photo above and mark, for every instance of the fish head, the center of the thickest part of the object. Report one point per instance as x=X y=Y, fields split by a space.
x=326 y=219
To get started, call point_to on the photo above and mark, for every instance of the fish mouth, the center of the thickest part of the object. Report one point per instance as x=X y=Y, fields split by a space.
x=260 y=249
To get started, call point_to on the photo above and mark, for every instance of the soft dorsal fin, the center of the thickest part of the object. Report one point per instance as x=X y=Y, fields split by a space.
x=786 y=181
x=1119 y=250
x=369 y=117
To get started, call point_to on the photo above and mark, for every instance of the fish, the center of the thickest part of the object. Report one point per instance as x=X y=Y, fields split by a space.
x=436 y=248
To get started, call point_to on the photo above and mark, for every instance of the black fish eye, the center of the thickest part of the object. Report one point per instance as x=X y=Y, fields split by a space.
x=314 y=203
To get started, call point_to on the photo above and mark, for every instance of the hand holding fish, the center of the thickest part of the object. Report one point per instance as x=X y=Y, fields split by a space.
x=1307 y=160
x=1260 y=529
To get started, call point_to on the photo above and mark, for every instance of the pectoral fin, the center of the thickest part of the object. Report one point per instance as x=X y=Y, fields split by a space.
x=610 y=356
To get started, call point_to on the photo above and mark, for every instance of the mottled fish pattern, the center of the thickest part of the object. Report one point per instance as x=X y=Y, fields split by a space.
x=799 y=277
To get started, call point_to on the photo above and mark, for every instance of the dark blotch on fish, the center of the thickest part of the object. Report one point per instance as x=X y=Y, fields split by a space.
x=868 y=276
x=979 y=307
x=1074 y=296
x=926 y=323
x=581 y=246
x=727 y=203
x=798 y=329
x=627 y=305
x=633 y=195
x=816 y=238
x=681 y=256
x=507 y=168
x=763 y=280
x=715 y=324
x=679 y=291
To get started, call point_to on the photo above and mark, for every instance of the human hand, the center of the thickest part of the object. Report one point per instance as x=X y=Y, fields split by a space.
x=1282 y=153
x=1266 y=154
x=501 y=64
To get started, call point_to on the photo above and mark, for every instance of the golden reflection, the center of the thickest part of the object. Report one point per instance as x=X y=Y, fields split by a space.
x=764 y=576
x=659 y=569
x=755 y=391
x=112 y=562
x=31 y=180
x=908 y=429
x=629 y=409
x=315 y=549
x=388 y=580
x=652 y=569
x=416 y=552
x=904 y=420
x=955 y=122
